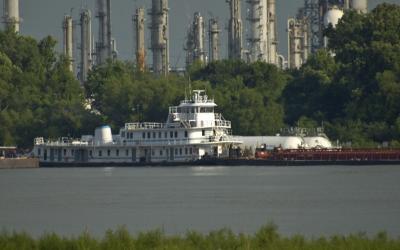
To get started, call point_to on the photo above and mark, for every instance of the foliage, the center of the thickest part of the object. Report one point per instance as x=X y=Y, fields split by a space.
x=38 y=95
x=354 y=87
x=265 y=238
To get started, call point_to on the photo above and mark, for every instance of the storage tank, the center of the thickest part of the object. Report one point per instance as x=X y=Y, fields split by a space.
x=359 y=5
x=332 y=17
x=317 y=142
x=271 y=142
x=103 y=135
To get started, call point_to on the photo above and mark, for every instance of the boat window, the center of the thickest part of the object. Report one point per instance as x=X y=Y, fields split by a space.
x=165 y=134
x=190 y=150
x=192 y=110
x=203 y=132
x=108 y=152
x=180 y=151
x=171 y=134
x=148 y=135
x=117 y=152
x=176 y=151
x=123 y=134
x=144 y=135
x=39 y=151
x=90 y=153
x=72 y=152
x=161 y=152
x=179 y=110
x=100 y=153
x=186 y=134
x=127 y=152
x=153 y=152
x=186 y=151
x=176 y=134
x=154 y=134
x=206 y=110
x=65 y=152
x=159 y=134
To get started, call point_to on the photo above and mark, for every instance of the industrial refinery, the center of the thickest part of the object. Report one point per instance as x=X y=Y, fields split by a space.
x=305 y=31
x=251 y=29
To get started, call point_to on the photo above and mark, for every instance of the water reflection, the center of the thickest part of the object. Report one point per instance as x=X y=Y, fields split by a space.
x=209 y=171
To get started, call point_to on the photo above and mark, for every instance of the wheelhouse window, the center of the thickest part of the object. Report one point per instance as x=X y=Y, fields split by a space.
x=176 y=134
x=108 y=152
x=203 y=132
x=186 y=134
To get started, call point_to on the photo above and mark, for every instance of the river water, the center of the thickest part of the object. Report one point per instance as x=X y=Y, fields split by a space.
x=312 y=201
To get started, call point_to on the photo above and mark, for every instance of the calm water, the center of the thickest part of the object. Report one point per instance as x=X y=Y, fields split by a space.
x=307 y=200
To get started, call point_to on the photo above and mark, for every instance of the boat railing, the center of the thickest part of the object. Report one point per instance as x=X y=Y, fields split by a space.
x=144 y=125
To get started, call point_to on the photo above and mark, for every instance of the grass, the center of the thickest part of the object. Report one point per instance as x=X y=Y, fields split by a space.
x=266 y=237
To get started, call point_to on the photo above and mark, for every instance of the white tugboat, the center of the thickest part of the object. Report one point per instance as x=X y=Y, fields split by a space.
x=192 y=132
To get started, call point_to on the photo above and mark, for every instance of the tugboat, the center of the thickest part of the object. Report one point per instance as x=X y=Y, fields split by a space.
x=192 y=131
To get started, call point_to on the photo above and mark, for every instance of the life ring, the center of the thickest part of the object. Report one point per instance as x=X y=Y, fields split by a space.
x=173 y=117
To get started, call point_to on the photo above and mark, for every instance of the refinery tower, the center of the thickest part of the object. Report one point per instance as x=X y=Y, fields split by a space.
x=11 y=17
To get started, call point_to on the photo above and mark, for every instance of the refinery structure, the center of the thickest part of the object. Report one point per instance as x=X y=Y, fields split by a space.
x=305 y=31
x=251 y=30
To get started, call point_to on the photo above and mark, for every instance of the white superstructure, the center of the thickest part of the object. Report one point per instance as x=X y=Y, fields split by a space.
x=192 y=131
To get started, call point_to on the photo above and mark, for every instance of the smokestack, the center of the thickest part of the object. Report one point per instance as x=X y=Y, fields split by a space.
x=272 y=34
x=11 y=14
x=258 y=37
x=160 y=36
x=140 y=50
x=235 y=30
x=68 y=40
x=213 y=37
x=86 y=44
x=103 y=46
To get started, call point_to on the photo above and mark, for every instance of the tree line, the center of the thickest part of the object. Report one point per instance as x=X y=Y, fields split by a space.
x=352 y=88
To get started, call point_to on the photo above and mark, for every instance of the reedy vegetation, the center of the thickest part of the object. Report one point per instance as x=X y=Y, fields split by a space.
x=354 y=94
x=265 y=238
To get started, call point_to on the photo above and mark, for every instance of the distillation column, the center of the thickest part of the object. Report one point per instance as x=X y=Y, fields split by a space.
x=68 y=41
x=361 y=6
x=213 y=37
x=272 y=33
x=140 y=50
x=11 y=14
x=235 y=30
x=160 y=36
x=103 y=46
x=199 y=32
x=258 y=36
x=295 y=37
x=86 y=44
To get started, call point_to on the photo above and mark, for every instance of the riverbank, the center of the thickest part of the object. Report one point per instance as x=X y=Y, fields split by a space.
x=18 y=163
x=267 y=237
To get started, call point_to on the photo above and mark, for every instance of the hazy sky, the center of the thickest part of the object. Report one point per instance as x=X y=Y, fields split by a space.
x=44 y=17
